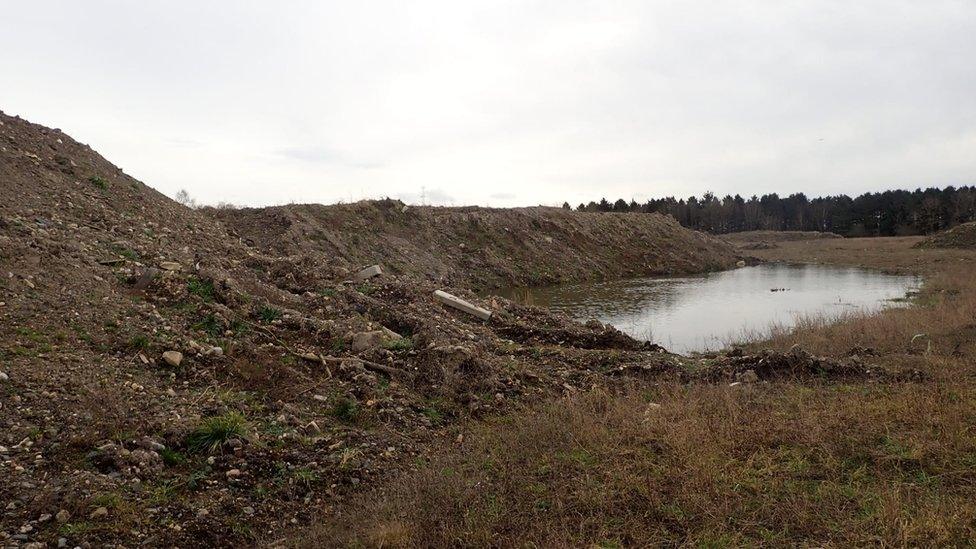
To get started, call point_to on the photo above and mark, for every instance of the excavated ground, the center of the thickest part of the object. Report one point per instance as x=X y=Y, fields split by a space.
x=169 y=381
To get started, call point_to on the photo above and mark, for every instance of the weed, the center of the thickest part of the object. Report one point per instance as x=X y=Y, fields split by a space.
x=402 y=344
x=139 y=342
x=433 y=414
x=210 y=325
x=365 y=288
x=305 y=476
x=345 y=409
x=269 y=314
x=239 y=327
x=204 y=289
x=172 y=458
x=214 y=431
x=110 y=500
x=338 y=345
x=198 y=476
x=99 y=182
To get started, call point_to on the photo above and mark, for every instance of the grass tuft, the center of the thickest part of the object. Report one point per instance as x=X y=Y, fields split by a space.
x=214 y=431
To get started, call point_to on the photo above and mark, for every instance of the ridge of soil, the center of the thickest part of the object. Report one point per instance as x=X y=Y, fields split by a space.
x=481 y=247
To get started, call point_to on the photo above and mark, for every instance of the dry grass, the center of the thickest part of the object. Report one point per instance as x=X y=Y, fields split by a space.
x=712 y=466
x=768 y=464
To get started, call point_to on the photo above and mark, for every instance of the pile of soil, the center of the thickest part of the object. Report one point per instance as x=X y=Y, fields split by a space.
x=482 y=247
x=960 y=236
x=166 y=382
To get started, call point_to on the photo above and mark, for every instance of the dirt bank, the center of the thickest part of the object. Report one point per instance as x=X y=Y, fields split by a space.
x=481 y=247
x=167 y=383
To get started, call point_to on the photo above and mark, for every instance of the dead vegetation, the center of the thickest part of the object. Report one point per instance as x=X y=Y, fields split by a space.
x=838 y=459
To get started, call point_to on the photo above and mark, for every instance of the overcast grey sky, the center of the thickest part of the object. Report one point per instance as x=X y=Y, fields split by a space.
x=503 y=103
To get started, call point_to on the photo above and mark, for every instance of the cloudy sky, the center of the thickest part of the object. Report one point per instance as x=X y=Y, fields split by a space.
x=503 y=103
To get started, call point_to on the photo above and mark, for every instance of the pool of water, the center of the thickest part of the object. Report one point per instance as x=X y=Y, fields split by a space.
x=698 y=313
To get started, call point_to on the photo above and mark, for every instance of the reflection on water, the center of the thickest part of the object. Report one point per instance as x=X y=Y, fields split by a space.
x=707 y=311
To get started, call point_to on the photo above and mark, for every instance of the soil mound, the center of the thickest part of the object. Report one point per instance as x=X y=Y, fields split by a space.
x=161 y=378
x=960 y=236
x=482 y=247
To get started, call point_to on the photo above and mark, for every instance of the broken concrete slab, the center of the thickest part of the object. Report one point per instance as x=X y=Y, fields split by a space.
x=461 y=305
x=369 y=272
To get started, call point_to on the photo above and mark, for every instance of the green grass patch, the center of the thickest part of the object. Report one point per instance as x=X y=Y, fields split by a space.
x=346 y=410
x=139 y=342
x=204 y=289
x=214 y=431
x=269 y=314
x=99 y=182
x=210 y=325
x=402 y=344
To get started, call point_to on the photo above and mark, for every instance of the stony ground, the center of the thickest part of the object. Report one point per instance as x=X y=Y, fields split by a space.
x=166 y=382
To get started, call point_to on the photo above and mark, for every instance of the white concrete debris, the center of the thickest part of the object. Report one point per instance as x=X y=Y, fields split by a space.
x=461 y=305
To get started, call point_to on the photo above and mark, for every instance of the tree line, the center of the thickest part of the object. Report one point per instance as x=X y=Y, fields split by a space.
x=888 y=213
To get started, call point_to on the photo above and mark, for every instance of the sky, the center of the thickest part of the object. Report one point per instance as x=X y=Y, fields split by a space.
x=503 y=103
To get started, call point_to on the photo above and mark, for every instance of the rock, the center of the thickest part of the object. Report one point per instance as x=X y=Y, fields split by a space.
x=233 y=443
x=368 y=340
x=98 y=513
x=173 y=358
x=368 y=272
x=44 y=518
x=145 y=278
x=4 y=377
x=748 y=376
x=63 y=516
x=233 y=473
x=170 y=266
x=740 y=263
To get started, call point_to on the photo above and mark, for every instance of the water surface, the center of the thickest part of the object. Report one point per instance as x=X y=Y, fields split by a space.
x=702 y=312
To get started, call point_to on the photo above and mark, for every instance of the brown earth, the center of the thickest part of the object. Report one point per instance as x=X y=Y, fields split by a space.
x=481 y=247
x=295 y=391
x=960 y=236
